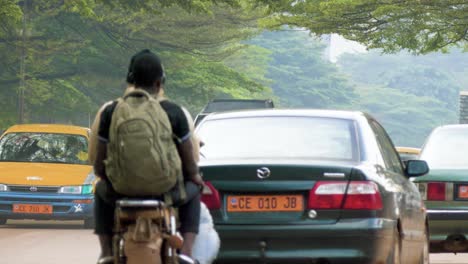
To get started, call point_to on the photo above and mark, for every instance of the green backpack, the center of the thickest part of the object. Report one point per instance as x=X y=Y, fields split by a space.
x=142 y=158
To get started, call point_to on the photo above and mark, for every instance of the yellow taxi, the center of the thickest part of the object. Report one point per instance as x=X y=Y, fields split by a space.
x=408 y=153
x=45 y=173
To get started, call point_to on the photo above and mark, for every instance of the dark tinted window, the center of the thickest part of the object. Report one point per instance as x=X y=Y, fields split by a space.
x=221 y=106
x=279 y=137
x=390 y=155
x=44 y=147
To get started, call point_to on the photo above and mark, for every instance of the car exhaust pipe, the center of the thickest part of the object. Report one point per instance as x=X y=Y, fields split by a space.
x=456 y=243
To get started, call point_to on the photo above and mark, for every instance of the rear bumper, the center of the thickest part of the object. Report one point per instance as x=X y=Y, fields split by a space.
x=64 y=207
x=433 y=214
x=347 y=241
x=448 y=230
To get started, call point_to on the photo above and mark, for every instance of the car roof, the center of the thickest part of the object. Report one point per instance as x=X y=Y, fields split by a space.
x=265 y=103
x=240 y=100
x=409 y=150
x=453 y=126
x=287 y=112
x=49 y=128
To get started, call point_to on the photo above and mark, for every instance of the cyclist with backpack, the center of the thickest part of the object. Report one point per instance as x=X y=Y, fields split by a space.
x=145 y=150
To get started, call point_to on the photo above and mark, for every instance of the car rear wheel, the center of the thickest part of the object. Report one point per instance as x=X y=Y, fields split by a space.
x=425 y=252
x=88 y=223
x=3 y=221
x=395 y=256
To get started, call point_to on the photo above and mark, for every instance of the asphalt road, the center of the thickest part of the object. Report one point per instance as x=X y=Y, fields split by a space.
x=31 y=242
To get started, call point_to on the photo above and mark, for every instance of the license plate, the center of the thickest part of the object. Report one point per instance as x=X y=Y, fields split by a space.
x=463 y=192
x=32 y=208
x=265 y=203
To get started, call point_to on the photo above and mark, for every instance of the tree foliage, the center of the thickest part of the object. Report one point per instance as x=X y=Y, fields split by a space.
x=77 y=52
x=299 y=74
x=74 y=55
x=418 y=26
x=407 y=118
x=410 y=94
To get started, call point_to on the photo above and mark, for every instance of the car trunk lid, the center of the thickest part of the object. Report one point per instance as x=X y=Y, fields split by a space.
x=271 y=191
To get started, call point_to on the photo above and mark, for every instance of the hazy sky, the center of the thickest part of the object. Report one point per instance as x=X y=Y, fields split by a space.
x=340 y=45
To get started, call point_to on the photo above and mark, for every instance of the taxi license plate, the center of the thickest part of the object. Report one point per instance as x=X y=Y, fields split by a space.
x=32 y=208
x=265 y=203
x=463 y=192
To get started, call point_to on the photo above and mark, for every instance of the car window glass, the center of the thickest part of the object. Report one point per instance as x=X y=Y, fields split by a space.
x=221 y=106
x=279 y=137
x=390 y=156
x=44 y=147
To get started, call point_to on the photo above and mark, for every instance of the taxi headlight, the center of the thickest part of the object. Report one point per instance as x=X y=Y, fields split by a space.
x=81 y=189
x=3 y=188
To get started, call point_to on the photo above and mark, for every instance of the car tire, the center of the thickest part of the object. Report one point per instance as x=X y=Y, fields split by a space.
x=3 y=221
x=395 y=255
x=88 y=223
x=425 y=252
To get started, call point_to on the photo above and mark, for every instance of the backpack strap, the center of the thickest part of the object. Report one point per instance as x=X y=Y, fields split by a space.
x=162 y=99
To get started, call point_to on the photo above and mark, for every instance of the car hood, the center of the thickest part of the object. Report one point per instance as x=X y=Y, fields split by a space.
x=452 y=175
x=43 y=174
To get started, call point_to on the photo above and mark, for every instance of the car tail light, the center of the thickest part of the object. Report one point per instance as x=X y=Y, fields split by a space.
x=210 y=197
x=436 y=191
x=327 y=195
x=358 y=195
x=363 y=195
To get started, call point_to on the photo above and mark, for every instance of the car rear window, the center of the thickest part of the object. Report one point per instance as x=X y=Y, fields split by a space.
x=222 y=106
x=44 y=147
x=447 y=148
x=279 y=137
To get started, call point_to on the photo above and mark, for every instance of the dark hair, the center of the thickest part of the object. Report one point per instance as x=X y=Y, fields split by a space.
x=145 y=68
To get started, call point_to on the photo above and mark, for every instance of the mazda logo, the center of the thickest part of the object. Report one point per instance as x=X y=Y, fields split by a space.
x=33 y=189
x=263 y=173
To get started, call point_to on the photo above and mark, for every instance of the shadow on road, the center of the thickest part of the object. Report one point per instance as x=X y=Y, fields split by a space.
x=32 y=224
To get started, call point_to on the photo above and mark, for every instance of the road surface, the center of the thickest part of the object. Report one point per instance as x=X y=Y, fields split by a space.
x=31 y=242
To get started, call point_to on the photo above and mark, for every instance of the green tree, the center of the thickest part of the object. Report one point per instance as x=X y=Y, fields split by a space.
x=299 y=74
x=76 y=52
x=393 y=25
x=438 y=76
x=407 y=118
x=409 y=94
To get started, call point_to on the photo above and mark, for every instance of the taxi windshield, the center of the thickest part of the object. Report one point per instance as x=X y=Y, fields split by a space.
x=44 y=148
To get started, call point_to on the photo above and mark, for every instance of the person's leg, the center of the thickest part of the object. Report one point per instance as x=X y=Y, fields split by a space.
x=189 y=214
x=104 y=207
x=106 y=245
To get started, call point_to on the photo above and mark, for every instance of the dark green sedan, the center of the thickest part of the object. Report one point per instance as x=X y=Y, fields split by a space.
x=310 y=186
x=445 y=188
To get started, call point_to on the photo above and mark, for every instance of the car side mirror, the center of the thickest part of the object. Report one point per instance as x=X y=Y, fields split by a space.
x=416 y=168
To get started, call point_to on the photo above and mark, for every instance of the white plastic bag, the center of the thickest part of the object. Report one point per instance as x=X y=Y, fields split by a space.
x=207 y=242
